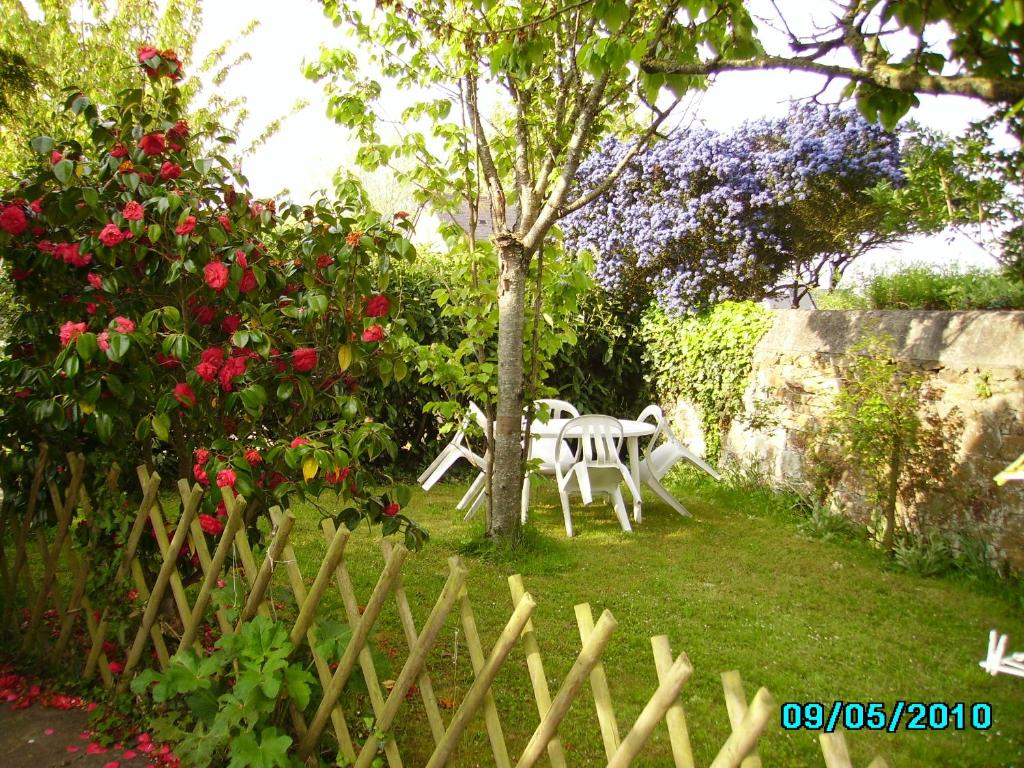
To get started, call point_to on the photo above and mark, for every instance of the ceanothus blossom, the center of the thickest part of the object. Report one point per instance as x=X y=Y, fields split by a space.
x=703 y=217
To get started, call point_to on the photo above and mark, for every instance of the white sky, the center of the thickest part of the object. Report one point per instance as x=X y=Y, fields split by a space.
x=305 y=153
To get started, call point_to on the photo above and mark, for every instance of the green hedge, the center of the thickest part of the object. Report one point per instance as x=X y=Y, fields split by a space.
x=922 y=287
x=705 y=359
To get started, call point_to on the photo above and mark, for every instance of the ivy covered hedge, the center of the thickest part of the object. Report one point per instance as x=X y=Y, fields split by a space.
x=704 y=359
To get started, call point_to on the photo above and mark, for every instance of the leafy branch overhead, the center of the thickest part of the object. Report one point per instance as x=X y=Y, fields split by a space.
x=972 y=49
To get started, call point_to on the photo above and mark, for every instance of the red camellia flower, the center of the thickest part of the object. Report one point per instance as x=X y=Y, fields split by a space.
x=230 y=323
x=215 y=272
x=69 y=253
x=202 y=456
x=179 y=131
x=391 y=510
x=337 y=475
x=241 y=260
x=167 y=361
x=203 y=314
x=248 y=281
x=206 y=371
x=252 y=457
x=56 y=157
x=20 y=274
x=213 y=355
x=200 y=475
x=299 y=441
x=226 y=478
x=71 y=331
x=119 y=151
x=132 y=211
x=183 y=394
x=353 y=237
x=112 y=235
x=211 y=525
x=377 y=306
x=224 y=222
x=304 y=359
x=324 y=261
x=401 y=215
x=103 y=341
x=147 y=52
x=373 y=333
x=186 y=226
x=13 y=220
x=152 y=144
x=169 y=170
x=36 y=205
x=123 y=324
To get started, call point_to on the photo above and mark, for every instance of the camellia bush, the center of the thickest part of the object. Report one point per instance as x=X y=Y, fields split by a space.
x=168 y=318
x=703 y=217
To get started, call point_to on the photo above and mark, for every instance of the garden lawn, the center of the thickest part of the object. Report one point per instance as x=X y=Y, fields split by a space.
x=737 y=587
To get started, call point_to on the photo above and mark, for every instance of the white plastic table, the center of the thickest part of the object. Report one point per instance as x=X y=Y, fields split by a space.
x=632 y=431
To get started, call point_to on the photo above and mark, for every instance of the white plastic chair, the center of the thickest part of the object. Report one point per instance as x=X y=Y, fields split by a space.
x=657 y=461
x=457 y=449
x=596 y=467
x=544 y=448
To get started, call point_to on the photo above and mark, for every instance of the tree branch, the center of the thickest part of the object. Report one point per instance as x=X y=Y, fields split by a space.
x=993 y=90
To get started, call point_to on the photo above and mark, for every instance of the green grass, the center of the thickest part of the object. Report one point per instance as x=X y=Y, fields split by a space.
x=928 y=287
x=735 y=587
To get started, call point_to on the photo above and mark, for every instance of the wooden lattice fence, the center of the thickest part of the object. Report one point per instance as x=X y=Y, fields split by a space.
x=45 y=573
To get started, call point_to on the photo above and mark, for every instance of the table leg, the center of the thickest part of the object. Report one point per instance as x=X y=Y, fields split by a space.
x=633 y=446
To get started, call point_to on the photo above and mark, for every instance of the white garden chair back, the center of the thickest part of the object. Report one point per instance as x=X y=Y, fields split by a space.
x=659 y=459
x=457 y=449
x=595 y=465
x=544 y=448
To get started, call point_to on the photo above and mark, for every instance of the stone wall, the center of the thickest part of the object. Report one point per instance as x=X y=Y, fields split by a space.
x=975 y=365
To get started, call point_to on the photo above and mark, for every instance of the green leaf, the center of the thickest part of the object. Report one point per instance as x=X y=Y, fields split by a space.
x=71 y=365
x=119 y=343
x=91 y=197
x=86 y=346
x=104 y=427
x=284 y=390
x=43 y=145
x=154 y=232
x=253 y=397
x=162 y=426
x=63 y=171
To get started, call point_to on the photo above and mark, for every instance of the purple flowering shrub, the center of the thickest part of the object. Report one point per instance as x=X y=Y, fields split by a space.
x=703 y=217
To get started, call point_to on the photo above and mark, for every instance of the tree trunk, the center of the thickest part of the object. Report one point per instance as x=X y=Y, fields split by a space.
x=507 y=477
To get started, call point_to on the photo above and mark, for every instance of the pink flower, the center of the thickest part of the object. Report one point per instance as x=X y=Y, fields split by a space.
x=13 y=220
x=71 y=331
x=299 y=441
x=169 y=170
x=215 y=272
x=56 y=157
x=202 y=456
x=112 y=235
x=94 y=280
x=132 y=211
x=152 y=144
x=377 y=306
x=226 y=478
x=183 y=394
x=210 y=524
x=373 y=333
x=304 y=359
x=224 y=222
x=241 y=260
x=123 y=324
x=146 y=52
x=103 y=341
x=252 y=457
x=186 y=226
x=200 y=475
x=391 y=510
